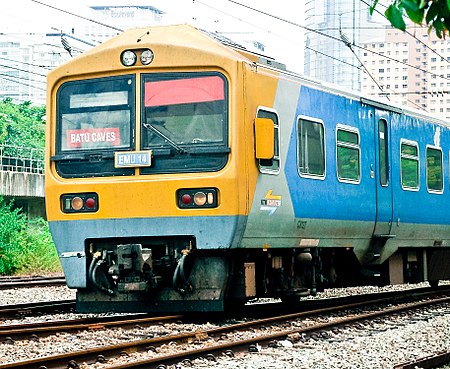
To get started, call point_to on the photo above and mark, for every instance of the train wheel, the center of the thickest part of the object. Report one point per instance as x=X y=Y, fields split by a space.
x=434 y=283
x=294 y=295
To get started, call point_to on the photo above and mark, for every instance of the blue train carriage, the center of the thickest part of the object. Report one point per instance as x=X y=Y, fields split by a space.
x=357 y=187
x=184 y=173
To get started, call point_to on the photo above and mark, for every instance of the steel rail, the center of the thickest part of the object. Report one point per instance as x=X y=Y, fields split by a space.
x=31 y=282
x=14 y=331
x=37 y=307
x=428 y=362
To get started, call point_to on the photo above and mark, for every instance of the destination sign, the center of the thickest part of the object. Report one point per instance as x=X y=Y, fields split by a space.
x=126 y=159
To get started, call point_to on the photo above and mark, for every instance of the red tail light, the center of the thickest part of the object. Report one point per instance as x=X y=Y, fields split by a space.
x=79 y=203
x=197 y=198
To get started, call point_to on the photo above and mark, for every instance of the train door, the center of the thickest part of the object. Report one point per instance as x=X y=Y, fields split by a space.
x=382 y=176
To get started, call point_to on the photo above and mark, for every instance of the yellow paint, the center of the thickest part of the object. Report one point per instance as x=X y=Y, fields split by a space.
x=176 y=49
x=269 y=196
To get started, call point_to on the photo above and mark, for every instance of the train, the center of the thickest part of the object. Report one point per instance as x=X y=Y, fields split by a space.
x=185 y=173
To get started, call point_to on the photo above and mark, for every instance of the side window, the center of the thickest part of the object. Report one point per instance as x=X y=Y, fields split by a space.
x=435 y=182
x=409 y=165
x=348 y=154
x=311 y=148
x=273 y=165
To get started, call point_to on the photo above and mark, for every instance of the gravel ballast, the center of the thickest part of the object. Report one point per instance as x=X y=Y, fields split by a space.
x=371 y=344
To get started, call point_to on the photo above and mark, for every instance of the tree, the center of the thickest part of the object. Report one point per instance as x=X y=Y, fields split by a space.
x=435 y=14
x=21 y=125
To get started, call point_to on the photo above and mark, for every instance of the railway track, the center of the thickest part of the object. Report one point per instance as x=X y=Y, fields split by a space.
x=30 y=281
x=428 y=362
x=215 y=341
x=36 y=308
x=42 y=329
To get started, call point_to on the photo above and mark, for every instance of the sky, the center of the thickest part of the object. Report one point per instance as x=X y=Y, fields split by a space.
x=282 y=40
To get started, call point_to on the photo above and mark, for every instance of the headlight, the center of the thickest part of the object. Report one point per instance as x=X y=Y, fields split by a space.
x=146 y=57
x=128 y=58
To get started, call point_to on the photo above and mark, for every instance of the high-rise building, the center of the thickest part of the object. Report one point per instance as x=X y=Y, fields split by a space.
x=410 y=69
x=334 y=26
x=349 y=47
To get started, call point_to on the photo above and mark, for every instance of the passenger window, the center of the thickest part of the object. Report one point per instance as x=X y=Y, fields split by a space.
x=383 y=152
x=311 y=147
x=435 y=182
x=348 y=154
x=271 y=166
x=409 y=158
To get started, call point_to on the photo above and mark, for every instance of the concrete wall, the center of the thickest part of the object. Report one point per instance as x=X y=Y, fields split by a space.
x=21 y=184
x=27 y=189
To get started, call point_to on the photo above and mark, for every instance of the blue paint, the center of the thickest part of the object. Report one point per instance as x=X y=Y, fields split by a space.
x=332 y=199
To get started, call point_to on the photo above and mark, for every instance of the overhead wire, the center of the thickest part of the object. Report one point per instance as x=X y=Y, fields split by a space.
x=8 y=78
x=358 y=46
x=22 y=70
x=330 y=37
x=307 y=47
x=30 y=64
x=78 y=16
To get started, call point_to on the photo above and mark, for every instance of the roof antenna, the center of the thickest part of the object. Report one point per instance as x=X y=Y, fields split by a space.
x=66 y=44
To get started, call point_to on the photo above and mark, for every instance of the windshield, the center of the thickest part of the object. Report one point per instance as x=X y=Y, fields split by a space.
x=184 y=121
x=95 y=114
x=185 y=109
x=95 y=118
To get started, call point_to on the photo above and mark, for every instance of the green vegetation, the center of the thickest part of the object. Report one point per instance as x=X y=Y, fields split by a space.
x=21 y=125
x=26 y=246
x=435 y=14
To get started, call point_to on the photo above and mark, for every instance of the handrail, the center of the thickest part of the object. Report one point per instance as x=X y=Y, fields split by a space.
x=21 y=159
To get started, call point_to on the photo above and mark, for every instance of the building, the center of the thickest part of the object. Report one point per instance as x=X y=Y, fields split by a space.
x=26 y=58
x=410 y=69
x=333 y=27
x=24 y=62
x=120 y=17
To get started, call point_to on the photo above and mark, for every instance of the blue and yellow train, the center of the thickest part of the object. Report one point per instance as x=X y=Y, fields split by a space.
x=184 y=174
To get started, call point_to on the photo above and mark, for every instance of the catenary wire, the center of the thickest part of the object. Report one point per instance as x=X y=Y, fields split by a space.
x=78 y=16
x=331 y=37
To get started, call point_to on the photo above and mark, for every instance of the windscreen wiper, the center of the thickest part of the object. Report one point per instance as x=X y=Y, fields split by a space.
x=90 y=156
x=171 y=142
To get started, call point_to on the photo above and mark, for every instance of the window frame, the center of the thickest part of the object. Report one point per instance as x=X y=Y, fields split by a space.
x=343 y=127
x=410 y=143
x=433 y=147
x=276 y=156
x=316 y=121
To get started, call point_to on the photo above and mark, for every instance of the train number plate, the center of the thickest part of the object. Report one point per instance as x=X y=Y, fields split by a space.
x=127 y=159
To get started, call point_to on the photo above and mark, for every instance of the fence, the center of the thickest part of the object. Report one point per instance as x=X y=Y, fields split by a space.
x=21 y=159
